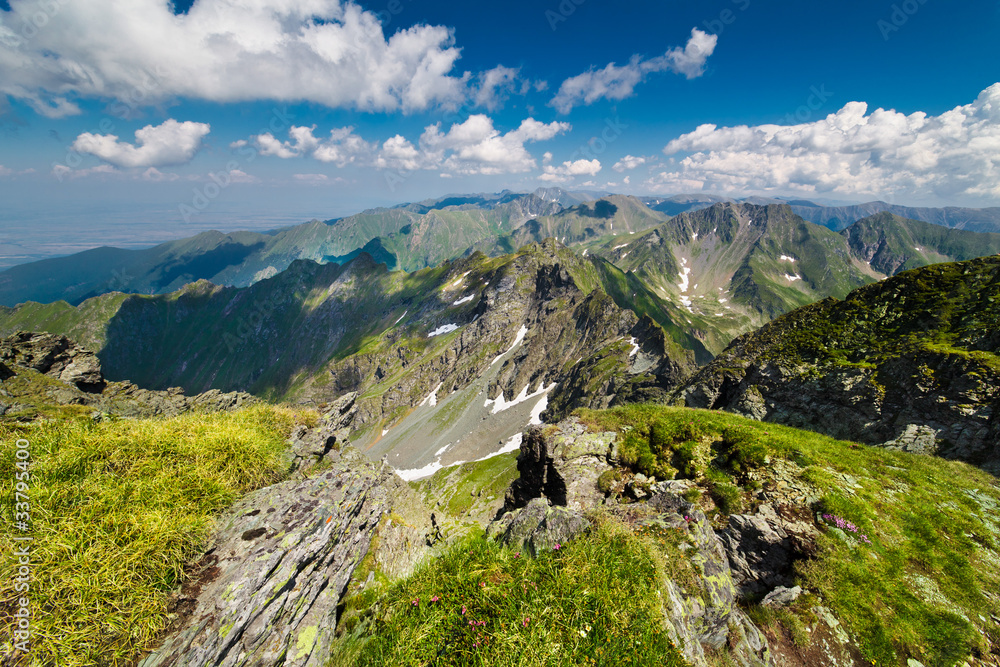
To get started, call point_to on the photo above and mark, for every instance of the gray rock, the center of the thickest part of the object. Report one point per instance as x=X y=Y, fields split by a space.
x=709 y=616
x=54 y=355
x=562 y=467
x=276 y=571
x=762 y=547
x=781 y=596
x=537 y=527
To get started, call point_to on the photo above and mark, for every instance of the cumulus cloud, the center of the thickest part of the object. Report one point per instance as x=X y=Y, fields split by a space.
x=628 y=162
x=343 y=146
x=325 y=51
x=473 y=146
x=495 y=85
x=617 y=83
x=169 y=143
x=569 y=170
x=882 y=153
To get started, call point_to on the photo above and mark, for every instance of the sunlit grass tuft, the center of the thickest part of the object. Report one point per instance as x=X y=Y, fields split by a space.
x=118 y=508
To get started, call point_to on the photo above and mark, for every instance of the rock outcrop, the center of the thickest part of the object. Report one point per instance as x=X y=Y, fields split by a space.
x=278 y=565
x=762 y=548
x=560 y=466
x=537 y=527
x=73 y=376
x=55 y=356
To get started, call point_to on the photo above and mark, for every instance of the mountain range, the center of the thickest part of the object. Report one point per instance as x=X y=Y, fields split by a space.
x=408 y=237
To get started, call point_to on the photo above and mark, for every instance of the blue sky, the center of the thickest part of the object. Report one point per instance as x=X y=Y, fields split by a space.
x=426 y=98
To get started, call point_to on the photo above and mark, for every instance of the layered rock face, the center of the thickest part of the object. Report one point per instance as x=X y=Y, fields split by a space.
x=910 y=363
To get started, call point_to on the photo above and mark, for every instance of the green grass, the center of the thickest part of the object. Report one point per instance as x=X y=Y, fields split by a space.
x=458 y=488
x=118 y=508
x=594 y=601
x=919 y=588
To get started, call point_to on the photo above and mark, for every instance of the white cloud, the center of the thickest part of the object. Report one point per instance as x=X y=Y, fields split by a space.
x=628 y=162
x=324 y=51
x=317 y=179
x=343 y=147
x=495 y=85
x=157 y=176
x=61 y=171
x=165 y=144
x=5 y=171
x=474 y=146
x=884 y=153
x=568 y=170
x=240 y=176
x=617 y=83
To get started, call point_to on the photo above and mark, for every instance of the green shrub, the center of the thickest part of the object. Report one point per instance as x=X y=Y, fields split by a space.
x=608 y=480
x=741 y=449
x=727 y=496
x=686 y=460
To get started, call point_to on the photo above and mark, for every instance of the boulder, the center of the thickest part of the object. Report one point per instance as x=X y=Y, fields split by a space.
x=562 y=466
x=56 y=356
x=762 y=548
x=537 y=527
x=781 y=596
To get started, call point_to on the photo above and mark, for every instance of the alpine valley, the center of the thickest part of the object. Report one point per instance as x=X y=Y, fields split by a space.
x=557 y=427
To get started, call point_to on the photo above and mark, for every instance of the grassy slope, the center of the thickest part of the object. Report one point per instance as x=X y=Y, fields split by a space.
x=117 y=510
x=591 y=602
x=944 y=307
x=926 y=581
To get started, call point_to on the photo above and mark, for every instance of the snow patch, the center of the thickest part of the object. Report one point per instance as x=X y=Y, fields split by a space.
x=517 y=341
x=458 y=281
x=465 y=299
x=441 y=451
x=635 y=346
x=624 y=255
x=584 y=252
x=792 y=279
x=443 y=329
x=499 y=404
x=385 y=432
x=420 y=473
x=618 y=247
x=695 y=235
x=431 y=398
x=786 y=258
x=536 y=412
x=723 y=300
x=400 y=318
x=512 y=445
